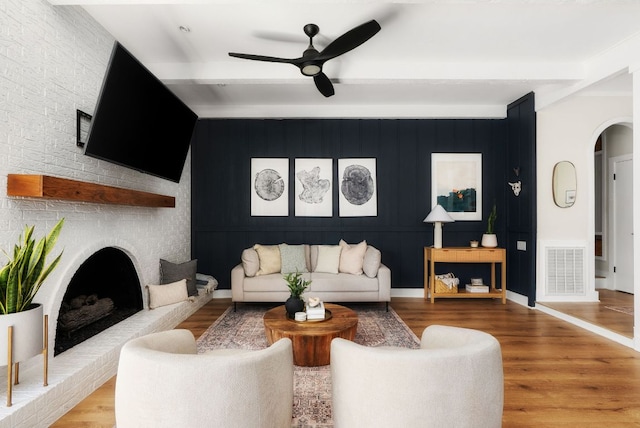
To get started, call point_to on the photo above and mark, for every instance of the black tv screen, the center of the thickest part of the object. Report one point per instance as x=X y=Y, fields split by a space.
x=138 y=122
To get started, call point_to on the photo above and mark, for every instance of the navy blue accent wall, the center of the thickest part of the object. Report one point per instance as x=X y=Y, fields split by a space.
x=222 y=225
x=521 y=210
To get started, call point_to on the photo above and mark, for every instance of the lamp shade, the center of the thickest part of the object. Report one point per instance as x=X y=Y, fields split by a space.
x=438 y=214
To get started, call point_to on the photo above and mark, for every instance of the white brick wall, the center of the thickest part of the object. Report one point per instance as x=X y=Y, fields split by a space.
x=52 y=62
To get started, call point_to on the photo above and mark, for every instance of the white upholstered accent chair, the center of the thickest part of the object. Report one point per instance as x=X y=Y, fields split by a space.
x=162 y=382
x=454 y=380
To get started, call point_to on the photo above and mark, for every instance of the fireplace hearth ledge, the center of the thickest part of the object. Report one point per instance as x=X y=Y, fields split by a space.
x=77 y=372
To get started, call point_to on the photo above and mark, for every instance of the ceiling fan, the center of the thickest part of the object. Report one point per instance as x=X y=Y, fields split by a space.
x=311 y=61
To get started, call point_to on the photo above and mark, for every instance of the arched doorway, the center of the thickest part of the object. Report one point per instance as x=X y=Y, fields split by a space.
x=613 y=221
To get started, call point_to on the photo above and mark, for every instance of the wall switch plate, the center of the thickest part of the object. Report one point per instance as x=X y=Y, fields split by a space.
x=521 y=245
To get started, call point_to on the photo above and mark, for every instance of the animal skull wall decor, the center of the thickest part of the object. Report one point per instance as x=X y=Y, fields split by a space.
x=516 y=187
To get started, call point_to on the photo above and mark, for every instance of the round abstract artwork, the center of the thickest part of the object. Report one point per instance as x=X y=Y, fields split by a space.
x=269 y=184
x=357 y=184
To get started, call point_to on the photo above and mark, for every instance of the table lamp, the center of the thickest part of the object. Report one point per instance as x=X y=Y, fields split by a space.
x=437 y=216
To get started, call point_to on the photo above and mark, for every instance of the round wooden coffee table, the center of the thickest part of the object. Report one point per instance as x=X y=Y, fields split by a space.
x=311 y=339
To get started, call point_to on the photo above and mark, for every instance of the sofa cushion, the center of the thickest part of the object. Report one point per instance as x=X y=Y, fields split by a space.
x=352 y=257
x=341 y=283
x=313 y=257
x=250 y=262
x=167 y=294
x=371 y=262
x=292 y=258
x=172 y=272
x=266 y=283
x=269 y=256
x=328 y=258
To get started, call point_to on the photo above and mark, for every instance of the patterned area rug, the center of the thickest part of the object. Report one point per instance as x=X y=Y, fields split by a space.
x=624 y=309
x=312 y=385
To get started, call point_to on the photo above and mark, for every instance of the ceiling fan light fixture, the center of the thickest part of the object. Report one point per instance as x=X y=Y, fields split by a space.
x=311 y=61
x=310 y=69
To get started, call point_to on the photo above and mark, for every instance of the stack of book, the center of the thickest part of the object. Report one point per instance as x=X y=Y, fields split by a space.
x=316 y=313
x=471 y=288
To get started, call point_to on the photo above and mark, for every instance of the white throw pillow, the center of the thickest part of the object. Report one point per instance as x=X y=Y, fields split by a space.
x=328 y=258
x=269 y=256
x=372 y=261
x=352 y=257
x=250 y=262
x=167 y=294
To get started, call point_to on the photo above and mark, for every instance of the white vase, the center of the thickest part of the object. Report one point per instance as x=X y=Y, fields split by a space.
x=489 y=240
x=27 y=334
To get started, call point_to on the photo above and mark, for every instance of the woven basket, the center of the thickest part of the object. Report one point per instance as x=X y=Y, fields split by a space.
x=446 y=284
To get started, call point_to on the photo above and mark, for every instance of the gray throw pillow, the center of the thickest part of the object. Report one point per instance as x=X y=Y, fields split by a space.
x=292 y=258
x=172 y=272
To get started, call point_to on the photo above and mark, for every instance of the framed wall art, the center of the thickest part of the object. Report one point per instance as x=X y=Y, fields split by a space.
x=358 y=188
x=456 y=184
x=269 y=187
x=313 y=187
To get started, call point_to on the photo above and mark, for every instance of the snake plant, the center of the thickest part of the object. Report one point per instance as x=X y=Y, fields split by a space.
x=491 y=220
x=22 y=276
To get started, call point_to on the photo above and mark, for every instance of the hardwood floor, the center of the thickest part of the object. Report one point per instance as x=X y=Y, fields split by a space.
x=556 y=374
x=598 y=313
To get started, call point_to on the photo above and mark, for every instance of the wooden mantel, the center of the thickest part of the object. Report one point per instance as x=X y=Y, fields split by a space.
x=45 y=186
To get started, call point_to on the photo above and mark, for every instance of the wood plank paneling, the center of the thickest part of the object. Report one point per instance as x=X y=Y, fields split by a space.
x=221 y=158
x=521 y=210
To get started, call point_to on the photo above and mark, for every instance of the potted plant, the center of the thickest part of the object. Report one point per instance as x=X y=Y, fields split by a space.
x=297 y=285
x=489 y=238
x=20 y=280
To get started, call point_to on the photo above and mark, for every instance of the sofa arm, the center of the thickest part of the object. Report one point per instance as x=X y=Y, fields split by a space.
x=384 y=283
x=237 y=283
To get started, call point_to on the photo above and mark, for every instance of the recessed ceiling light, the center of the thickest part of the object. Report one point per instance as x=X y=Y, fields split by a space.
x=184 y=29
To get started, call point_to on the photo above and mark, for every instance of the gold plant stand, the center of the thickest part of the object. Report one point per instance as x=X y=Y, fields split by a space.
x=13 y=369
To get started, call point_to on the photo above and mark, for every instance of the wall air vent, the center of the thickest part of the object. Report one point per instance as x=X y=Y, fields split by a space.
x=565 y=271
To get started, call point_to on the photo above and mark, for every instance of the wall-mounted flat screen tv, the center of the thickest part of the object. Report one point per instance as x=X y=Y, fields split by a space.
x=138 y=122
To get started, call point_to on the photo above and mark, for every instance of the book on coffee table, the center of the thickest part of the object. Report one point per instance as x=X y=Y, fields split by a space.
x=316 y=313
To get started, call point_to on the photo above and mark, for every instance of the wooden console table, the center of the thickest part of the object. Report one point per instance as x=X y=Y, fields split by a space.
x=465 y=255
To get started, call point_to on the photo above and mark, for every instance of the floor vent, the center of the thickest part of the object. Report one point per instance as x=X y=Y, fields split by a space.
x=565 y=267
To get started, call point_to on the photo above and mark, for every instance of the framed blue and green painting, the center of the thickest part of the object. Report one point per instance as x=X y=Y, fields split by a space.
x=456 y=184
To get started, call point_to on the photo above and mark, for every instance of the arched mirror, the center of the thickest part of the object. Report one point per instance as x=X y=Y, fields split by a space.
x=564 y=184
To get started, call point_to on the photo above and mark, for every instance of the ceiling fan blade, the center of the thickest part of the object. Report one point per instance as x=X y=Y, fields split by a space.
x=323 y=84
x=265 y=58
x=350 y=40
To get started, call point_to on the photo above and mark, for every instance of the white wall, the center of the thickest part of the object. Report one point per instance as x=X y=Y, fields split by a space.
x=52 y=62
x=567 y=130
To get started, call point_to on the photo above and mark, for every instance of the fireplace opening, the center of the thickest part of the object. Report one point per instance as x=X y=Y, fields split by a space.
x=104 y=291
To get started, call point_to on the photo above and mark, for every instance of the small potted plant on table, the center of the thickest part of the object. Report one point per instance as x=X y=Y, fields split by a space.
x=297 y=285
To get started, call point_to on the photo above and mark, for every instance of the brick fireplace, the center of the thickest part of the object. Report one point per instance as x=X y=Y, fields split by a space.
x=55 y=61
x=104 y=291
x=77 y=371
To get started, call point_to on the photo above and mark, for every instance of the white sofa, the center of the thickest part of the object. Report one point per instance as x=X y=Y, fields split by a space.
x=359 y=276
x=455 y=379
x=163 y=382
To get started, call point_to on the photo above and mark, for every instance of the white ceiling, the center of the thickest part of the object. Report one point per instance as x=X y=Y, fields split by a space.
x=432 y=58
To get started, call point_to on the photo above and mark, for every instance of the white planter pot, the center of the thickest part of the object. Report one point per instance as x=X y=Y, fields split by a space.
x=489 y=240
x=27 y=334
